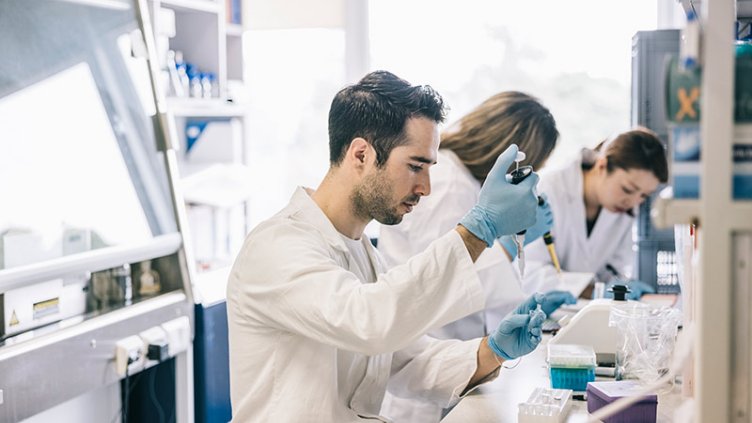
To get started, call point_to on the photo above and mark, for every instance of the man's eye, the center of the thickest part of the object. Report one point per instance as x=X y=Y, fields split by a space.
x=415 y=168
x=627 y=191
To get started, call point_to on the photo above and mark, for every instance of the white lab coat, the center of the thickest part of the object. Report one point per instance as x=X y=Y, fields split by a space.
x=454 y=191
x=309 y=341
x=610 y=241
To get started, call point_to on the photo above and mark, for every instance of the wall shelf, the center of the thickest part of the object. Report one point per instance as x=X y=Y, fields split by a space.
x=234 y=30
x=211 y=131
x=188 y=107
x=192 y=5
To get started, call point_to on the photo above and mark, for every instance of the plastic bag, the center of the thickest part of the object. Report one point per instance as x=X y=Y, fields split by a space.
x=646 y=338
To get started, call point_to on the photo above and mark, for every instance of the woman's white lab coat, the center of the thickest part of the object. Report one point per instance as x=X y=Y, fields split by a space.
x=309 y=341
x=610 y=241
x=454 y=191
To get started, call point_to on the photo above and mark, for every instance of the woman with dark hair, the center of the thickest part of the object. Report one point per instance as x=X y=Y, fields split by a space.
x=594 y=199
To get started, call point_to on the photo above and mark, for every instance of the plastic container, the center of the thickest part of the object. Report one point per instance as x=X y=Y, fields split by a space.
x=647 y=335
x=571 y=366
x=600 y=394
x=574 y=379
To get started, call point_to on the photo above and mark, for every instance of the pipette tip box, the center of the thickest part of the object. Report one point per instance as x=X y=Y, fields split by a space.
x=571 y=366
x=545 y=405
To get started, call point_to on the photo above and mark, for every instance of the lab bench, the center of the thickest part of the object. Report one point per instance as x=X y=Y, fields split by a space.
x=497 y=401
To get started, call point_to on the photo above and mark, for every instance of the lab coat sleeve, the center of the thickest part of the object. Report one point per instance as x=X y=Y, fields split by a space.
x=540 y=277
x=540 y=274
x=536 y=252
x=435 y=370
x=287 y=277
x=623 y=258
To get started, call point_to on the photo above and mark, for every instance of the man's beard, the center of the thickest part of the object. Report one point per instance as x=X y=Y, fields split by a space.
x=372 y=197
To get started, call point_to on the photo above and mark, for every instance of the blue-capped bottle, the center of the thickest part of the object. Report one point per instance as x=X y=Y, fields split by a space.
x=689 y=49
x=206 y=84
x=195 y=78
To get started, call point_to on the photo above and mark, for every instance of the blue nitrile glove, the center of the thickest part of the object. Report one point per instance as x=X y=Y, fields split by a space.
x=517 y=335
x=502 y=208
x=554 y=299
x=544 y=220
x=530 y=304
x=636 y=289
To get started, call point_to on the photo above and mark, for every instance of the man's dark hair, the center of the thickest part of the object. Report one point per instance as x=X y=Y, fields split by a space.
x=377 y=109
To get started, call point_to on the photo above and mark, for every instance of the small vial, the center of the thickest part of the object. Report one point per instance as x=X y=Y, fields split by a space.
x=121 y=277
x=206 y=85
x=149 y=280
x=197 y=91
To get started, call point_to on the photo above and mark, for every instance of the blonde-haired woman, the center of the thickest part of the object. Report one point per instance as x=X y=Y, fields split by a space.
x=467 y=152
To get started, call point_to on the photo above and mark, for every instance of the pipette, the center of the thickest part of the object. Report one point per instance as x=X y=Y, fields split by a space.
x=549 y=240
x=517 y=176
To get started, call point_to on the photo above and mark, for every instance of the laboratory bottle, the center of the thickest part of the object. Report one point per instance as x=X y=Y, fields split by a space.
x=196 y=90
x=148 y=280
x=121 y=277
x=182 y=71
x=689 y=49
x=206 y=85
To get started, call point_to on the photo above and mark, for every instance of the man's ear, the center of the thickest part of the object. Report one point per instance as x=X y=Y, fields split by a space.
x=359 y=152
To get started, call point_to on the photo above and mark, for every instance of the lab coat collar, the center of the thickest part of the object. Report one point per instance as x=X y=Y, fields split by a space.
x=302 y=204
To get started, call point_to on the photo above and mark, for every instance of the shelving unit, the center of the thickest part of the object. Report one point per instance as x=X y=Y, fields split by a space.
x=214 y=179
x=216 y=148
x=721 y=300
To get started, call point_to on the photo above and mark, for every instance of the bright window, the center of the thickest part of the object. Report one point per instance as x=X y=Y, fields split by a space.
x=574 y=56
x=294 y=74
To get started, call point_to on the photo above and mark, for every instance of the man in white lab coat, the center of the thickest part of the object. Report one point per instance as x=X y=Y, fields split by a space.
x=317 y=329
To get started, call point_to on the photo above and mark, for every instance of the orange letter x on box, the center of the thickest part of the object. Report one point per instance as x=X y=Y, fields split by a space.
x=686 y=101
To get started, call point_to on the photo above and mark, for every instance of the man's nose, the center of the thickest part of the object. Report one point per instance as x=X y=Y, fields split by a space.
x=423 y=187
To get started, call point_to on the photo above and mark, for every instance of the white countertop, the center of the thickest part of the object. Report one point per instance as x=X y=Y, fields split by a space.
x=497 y=401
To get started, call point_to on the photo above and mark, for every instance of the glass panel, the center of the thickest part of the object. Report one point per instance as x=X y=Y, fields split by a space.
x=78 y=161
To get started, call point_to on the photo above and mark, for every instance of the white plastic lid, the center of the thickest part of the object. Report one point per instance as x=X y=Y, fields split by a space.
x=571 y=355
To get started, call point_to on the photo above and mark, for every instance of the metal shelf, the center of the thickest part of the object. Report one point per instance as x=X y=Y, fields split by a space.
x=187 y=107
x=668 y=211
x=91 y=261
x=192 y=5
